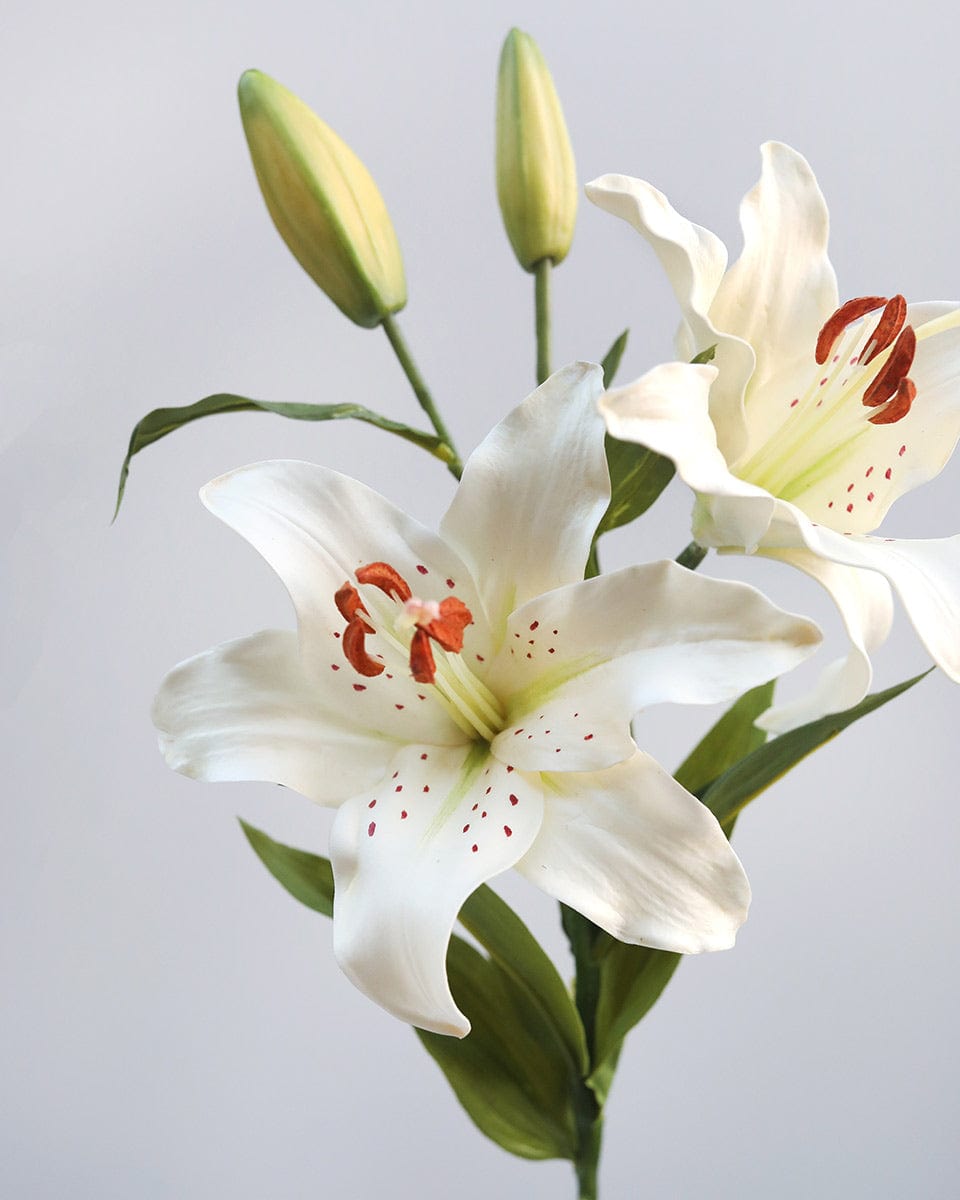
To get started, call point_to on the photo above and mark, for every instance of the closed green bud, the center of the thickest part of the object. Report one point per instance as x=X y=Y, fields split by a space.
x=323 y=202
x=536 y=175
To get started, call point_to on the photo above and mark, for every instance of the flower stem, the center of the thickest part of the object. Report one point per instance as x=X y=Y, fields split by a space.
x=583 y=935
x=405 y=358
x=692 y=556
x=590 y=1131
x=541 y=275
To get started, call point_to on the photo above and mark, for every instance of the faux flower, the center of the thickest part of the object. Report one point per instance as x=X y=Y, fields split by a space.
x=465 y=699
x=814 y=418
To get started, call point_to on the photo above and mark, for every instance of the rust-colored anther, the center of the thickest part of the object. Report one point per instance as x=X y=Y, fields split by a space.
x=448 y=628
x=890 y=323
x=355 y=650
x=845 y=315
x=422 y=666
x=893 y=370
x=348 y=602
x=898 y=407
x=386 y=578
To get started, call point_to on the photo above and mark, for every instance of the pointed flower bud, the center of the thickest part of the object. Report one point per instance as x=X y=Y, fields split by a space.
x=536 y=176
x=323 y=202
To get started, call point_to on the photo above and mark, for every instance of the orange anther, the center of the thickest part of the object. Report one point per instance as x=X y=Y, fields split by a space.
x=890 y=323
x=422 y=666
x=355 y=650
x=386 y=578
x=898 y=407
x=348 y=602
x=893 y=371
x=845 y=315
x=448 y=628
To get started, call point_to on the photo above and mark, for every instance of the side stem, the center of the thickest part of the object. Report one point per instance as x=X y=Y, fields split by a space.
x=420 y=390
x=692 y=556
x=541 y=275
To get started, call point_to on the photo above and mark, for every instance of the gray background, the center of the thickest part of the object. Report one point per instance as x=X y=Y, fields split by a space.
x=171 y=1023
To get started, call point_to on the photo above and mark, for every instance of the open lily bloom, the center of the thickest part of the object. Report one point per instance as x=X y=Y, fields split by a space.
x=465 y=699
x=814 y=418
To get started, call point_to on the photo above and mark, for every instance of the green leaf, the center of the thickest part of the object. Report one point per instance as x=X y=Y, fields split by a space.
x=739 y=785
x=611 y=360
x=637 y=477
x=157 y=424
x=306 y=876
x=508 y=1073
x=705 y=356
x=514 y=948
x=733 y=737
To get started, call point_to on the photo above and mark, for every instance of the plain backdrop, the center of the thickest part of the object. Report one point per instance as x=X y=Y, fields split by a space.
x=172 y=1024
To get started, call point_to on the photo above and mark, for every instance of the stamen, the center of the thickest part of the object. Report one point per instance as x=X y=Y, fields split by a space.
x=348 y=602
x=845 y=315
x=889 y=325
x=893 y=371
x=386 y=578
x=355 y=650
x=898 y=407
x=422 y=666
x=448 y=627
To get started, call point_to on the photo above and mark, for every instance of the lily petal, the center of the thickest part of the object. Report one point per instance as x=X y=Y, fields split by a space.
x=407 y=855
x=580 y=661
x=633 y=851
x=247 y=710
x=694 y=260
x=865 y=603
x=782 y=288
x=532 y=493
x=667 y=410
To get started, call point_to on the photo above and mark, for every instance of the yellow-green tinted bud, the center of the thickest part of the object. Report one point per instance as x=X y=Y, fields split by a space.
x=536 y=176
x=323 y=202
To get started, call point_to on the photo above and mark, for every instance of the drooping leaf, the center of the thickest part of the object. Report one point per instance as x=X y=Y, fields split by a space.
x=637 y=477
x=611 y=360
x=161 y=421
x=308 y=877
x=514 y=948
x=728 y=741
x=509 y=1073
x=738 y=785
x=705 y=356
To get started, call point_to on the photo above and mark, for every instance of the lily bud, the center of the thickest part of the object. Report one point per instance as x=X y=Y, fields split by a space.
x=536 y=176
x=323 y=202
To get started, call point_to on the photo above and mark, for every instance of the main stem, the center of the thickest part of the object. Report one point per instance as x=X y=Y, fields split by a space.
x=421 y=391
x=582 y=935
x=541 y=276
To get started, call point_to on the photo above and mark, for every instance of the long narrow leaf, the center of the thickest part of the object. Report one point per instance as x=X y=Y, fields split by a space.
x=162 y=421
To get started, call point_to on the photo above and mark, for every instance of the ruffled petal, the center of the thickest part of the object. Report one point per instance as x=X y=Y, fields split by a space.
x=667 y=410
x=643 y=859
x=782 y=288
x=866 y=607
x=315 y=528
x=694 y=260
x=406 y=856
x=247 y=710
x=580 y=661
x=532 y=494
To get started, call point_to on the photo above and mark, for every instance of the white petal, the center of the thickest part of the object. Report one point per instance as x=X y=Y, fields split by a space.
x=248 y=711
x=406 y=856
x=694 y=260
x=315 y=527
x=866 y=606
x=668 y=410
x=580 y=661
x=782 y=288
x=924 y=573
x=633 y=851
x=533 y=493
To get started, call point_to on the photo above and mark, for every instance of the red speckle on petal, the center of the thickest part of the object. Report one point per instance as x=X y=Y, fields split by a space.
x=371 y=829
x=830 y=505
x=451 y=584
x=398 y=707
x=465 y=828
x=475 y=807
x=529 y=655
x=482 y=815
x=508 y=831
x=902 y=451
x=423 y=758
x=422 y=569
x=588 y=737
x=474 y=847
x=514 y=800
x=823 y=381
x=557 y=751
x=488 y=791
x=555 y=632
x=849 y=508
x=359 y=687
x=403 y=814
x=534 y=625
x=337 y=633
x=517 y=732
x=334 y=666
x=551 y=651
x=509 y=769
x=516 y=635
x=395 y=774
x=888 y=473
x=372 y=804
x=420 y=696
x=398 y=788
x=869 y=472
x=794 y=403
x=426 y=787
x=870 y=495
x=849 y=487
x=480 y=658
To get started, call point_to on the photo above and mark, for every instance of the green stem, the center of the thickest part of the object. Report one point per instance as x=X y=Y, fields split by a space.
x=692 y=556
x=405 y=358
x=582 y=935
x=541 y=275
x=590 y=1136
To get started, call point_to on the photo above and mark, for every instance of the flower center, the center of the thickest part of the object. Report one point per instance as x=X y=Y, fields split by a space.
x=428 y=634
x=861 y=380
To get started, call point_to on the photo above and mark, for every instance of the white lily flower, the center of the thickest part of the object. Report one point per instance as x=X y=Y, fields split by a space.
x=815 y=417
x=465 y=699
